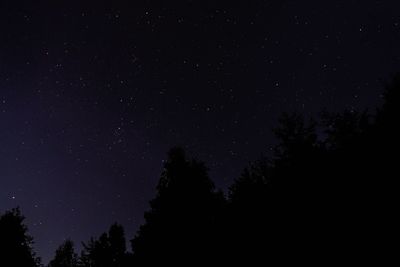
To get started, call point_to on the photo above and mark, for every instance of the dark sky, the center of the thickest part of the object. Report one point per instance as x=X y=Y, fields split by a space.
x=93 y=95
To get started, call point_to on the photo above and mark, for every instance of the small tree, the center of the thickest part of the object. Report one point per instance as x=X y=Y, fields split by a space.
x=65 y=256
x=107 y=251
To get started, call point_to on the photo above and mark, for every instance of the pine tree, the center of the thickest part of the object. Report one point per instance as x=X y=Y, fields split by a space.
x=181 y=224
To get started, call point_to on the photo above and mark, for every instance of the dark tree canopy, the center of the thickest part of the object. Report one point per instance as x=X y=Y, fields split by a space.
x=107 y=251
x=65 y=256
x=328 y=193
x=180 y=224
x=331 y=197
x=15 y=242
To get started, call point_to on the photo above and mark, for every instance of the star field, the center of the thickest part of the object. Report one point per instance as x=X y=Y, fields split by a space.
x=93 y=94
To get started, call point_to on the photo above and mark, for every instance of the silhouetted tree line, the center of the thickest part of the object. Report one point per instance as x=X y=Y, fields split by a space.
x=327 y=194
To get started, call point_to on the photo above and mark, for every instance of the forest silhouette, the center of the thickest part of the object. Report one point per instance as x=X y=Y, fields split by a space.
x=327 y=194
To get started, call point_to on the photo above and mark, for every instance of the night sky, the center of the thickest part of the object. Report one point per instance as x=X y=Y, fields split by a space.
x=93 y=95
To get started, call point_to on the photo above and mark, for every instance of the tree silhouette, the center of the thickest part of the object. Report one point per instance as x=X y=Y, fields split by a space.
x=117 y=245
x=65 y=256
x=107 y=251
x=15 y=243
x=328 y=193
x=181 y=224
x=330 y=197
x=96 y=252
x=270 y=202
x=248 y=216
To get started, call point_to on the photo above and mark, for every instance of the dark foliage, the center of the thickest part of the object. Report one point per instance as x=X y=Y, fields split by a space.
x=321 y=198
x=181 y=225
x=107 y=251
x=15 y=243
x=65 y=256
